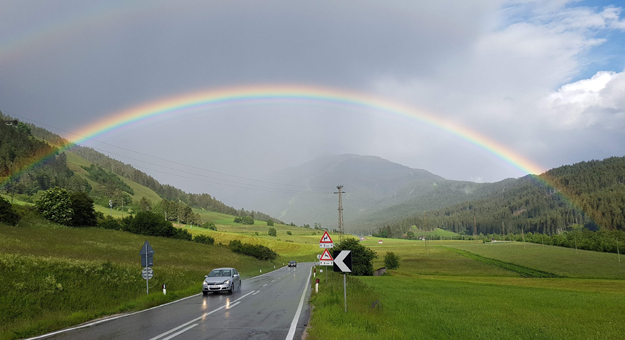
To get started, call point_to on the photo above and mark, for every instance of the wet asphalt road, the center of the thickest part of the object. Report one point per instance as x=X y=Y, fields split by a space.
x=264 y=308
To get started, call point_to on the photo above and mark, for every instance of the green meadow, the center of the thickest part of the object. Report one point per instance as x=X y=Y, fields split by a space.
x=465 y=290
x=61 y=276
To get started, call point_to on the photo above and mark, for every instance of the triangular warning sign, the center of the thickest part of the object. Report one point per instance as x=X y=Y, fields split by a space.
x=326 y=238
x=326 y=256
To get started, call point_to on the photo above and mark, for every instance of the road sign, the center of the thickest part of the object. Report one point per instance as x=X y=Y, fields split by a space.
x=343 y=261
x=147 y=253
x=110 y=204
x=326 y=258
x=326 y=241
x=147 y=273
x=318 y=256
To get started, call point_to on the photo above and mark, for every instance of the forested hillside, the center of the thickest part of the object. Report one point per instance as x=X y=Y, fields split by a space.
x=587 y=193
x=22 y=144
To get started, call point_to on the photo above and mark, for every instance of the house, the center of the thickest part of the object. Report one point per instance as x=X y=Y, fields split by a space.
x=380 y=242
x=10 y=122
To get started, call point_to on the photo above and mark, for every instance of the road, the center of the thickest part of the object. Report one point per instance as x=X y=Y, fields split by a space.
x=266 y=307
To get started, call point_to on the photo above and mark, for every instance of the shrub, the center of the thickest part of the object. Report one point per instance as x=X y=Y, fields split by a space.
x=109 y=223
x=272 y=232
x=7 y=214
x=270 y=223
x=55 y=205
x=238 y=220
x=362 y=257
x=204 y=239
x=209 y=225
x=256 y=250
x=84 y=213
x=248 y=220
x=289 y=233
x=391 y=261
x=149 y=223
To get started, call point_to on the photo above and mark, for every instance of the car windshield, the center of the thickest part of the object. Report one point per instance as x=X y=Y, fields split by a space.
x=219 y=273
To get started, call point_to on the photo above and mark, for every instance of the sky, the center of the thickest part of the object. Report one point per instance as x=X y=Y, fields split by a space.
x=543 y=78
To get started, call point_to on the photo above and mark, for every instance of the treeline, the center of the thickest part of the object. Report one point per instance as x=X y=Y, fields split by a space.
x=588 y=193
x=610 y=241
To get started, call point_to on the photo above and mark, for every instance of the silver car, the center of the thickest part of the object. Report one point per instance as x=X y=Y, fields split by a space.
x=221 y=279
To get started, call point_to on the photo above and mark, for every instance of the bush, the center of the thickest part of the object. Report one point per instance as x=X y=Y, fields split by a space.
x=273 y=232
x=270 y=223
x=204 y=239
x=391 y=261
x=248 y=220
x=55 y=205
x=209 y=225
x=7 y=214
x=256 y=250
x=149 y=223
x=109 y=223
x=289 y=233
x=84 y=213
x=362 y=257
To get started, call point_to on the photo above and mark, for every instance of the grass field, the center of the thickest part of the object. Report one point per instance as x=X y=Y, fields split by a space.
x=59 y=276
x=464 y=290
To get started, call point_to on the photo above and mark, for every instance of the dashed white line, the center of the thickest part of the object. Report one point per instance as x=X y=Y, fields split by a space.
x=199 y=318
x=265 y=284
x=258 y=291
x=178 y=333
x=233 y=304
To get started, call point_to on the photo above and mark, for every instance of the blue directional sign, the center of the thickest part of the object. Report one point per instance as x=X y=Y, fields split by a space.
x=147 y=255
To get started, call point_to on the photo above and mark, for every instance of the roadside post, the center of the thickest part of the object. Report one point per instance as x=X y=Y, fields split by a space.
x=343 y=264
x=326 y=242
x=147 y=261
x=164 y=290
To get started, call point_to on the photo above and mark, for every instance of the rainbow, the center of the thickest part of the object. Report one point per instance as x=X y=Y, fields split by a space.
x=295 y=94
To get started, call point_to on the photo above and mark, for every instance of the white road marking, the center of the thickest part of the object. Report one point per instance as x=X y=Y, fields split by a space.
x=178 y=333
x=265 y=284
x=258 y=291
x=129 y=314
x=291 y=333
x=199 y=318
x=233 y=304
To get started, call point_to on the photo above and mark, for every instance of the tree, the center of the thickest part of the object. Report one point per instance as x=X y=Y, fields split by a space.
x=248 y=220
x=362 y=257
x=84 y=212
x=55 y=205
x=7 y=215
x=144 y=204
x=272 y=232
x=270 y=222
x=391 y=261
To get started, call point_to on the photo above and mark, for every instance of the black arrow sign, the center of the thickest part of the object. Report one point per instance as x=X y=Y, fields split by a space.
x=343 y=261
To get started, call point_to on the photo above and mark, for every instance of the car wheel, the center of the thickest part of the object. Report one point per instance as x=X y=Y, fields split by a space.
x=231 y=289
x=204 y=293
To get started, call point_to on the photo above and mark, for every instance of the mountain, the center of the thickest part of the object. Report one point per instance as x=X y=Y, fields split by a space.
x=589 y=194
x=376 y=191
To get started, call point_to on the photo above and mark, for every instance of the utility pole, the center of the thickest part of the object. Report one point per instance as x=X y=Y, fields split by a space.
x=340 y=211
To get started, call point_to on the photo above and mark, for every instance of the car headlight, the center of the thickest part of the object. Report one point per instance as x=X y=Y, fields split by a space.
x=226 y=282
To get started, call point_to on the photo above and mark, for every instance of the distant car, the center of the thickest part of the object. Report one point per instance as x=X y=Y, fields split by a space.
x=292 y=264
x=221 y=279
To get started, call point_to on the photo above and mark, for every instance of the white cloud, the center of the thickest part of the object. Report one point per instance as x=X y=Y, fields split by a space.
x=598 y=101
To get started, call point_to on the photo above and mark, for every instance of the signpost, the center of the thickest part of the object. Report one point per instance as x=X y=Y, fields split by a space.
x=326 y=259
x=147 y=261
x=326 y=241
x=343 y=264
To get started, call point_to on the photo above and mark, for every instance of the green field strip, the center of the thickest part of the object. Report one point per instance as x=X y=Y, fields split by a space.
x=522 y=270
